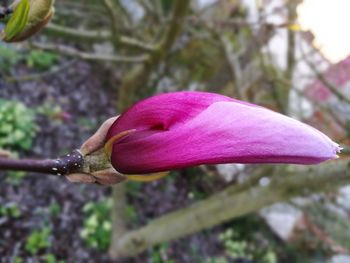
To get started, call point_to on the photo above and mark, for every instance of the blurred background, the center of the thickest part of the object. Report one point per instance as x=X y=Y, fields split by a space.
x=98 y=57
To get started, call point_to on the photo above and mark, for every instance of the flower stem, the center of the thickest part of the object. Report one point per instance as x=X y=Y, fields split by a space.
x=70 y=163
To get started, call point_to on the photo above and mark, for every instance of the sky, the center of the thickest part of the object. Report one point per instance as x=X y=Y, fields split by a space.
x=329 y=20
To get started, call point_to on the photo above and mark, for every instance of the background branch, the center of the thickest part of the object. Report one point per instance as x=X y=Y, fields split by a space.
x=234 y=202
x=72 y=52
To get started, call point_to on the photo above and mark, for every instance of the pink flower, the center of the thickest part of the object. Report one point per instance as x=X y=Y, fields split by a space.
x=183 y=129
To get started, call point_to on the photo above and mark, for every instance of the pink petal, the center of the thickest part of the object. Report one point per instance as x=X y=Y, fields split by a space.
x=183 y=129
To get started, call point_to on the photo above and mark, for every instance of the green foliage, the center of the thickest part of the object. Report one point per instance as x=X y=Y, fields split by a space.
x=97 y=224
x=35 y=59
x=8 y=57
x=166 y=5
x=86 y=123
x=216 y=260
x=131 y=213
x=235 y=248
x=133 y=188
x=48 y=109
x=197 y=195
x=54 y=209
x=18 y=126
x=159 y=254
x=18 y=20
x=18 y=259
x=51 y=258
x=15 y=177
x=10 y=210
x=37 y=240
x=41 y=60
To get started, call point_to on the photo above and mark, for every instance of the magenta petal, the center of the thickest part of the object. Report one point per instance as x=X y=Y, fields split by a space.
x=183 y=129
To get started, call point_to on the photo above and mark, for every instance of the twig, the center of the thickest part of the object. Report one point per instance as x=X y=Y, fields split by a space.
x=333 y=88
x=54 y=70
x=232 y=58
x=80 y=34
x=96 y=36
x=72 y=52
x=70 y=163
x=112 y=9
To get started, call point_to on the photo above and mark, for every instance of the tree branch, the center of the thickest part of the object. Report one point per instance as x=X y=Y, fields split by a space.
x=139 y=75
x=95 y=36
x=333 y=88
x=112 y=9
x=70 y=163
x=232 y=203
x=72 y=52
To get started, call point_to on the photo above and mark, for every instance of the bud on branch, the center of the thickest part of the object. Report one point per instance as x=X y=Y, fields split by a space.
x=184 y=129
x=28 y=17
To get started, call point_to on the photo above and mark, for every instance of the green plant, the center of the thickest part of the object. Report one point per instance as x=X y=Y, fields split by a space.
x=48 y=109
x=133 y=188
x=18 y=126
x=54 y=209
x=10 y=210
x=216 y=260
x=159 y=254
x=130 y=213
x=15 y=177
x=97 y=224
x=86 y=123
x=51 y=258
x=8 y=57
x=37 y=240
x=17 y=259
x=236 y=247
x=41 y=60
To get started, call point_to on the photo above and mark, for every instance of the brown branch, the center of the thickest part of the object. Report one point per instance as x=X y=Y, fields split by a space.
x=95 y=36
x=333 y=88
x=80 y=34
x=112 y=9
x=320 y=234
x=70 y=163
x=72 y=52
x=232 y=58
x=38 y=76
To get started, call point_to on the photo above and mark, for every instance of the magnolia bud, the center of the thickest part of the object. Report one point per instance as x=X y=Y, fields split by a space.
x=28 y=18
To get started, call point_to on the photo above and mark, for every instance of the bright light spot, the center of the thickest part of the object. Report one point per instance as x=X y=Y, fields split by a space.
x=329 y=20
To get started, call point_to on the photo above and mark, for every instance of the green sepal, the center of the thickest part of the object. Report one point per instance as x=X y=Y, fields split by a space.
x=18 y=20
